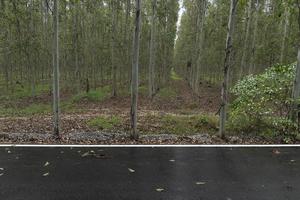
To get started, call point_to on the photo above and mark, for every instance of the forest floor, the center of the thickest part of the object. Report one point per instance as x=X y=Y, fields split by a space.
x=174 y=116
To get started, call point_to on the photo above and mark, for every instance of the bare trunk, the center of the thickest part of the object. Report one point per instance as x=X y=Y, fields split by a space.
x=285 y=32
x=56 y=70
x=228 y=51
x=296 y=89
x=247 y=34
x=200 y=40
x=135 y=71
x=113 y=64
x=253 y=45
x=152 y=51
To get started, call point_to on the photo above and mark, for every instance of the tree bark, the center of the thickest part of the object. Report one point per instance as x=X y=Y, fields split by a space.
x=285 y=32
x=200 y=40
x=247 y=35
x=296 y=89
x=253 y=45
x=56 y=70
x=152 y=51
x=135 y=71
x=113 y=64
x=228 y=52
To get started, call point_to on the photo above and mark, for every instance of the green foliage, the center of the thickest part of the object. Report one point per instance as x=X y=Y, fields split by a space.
x=263 y=102
x=167 y=92
x=187 y=125
x=175 y=76
x=23 y=92
x=33 y=109
x=97 y=95
x=104 y=122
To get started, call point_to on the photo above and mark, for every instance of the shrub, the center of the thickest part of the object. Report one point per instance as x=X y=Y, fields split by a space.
x=263 y=102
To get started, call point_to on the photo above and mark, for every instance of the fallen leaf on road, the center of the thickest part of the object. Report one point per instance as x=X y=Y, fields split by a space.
x=85 y=154
x=200 y=183
x=46 y=174
x=276 y=151
x=131 y=170
x=46 y=164
x=160 y=189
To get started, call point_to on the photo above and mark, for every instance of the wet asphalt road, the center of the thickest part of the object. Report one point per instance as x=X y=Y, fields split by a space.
x=141 y=173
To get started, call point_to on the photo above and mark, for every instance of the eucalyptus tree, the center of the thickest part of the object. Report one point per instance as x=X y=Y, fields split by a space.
x=227 y=64
x=56 y=68
x=151 y=77
x=296 y=89
x=135 y=70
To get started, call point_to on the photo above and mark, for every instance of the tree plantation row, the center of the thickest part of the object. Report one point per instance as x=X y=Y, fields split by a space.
x=81 y=45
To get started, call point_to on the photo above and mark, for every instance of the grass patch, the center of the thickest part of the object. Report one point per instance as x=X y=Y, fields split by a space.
x=167 y=92
x=175 y=76
x=143 y=90
x=97 y=95
x=184 y=124
x=104 y=123
x=27 y=91
x=33 y=109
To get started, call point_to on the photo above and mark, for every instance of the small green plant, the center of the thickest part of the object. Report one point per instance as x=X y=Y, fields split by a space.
x=175 y=76
x=104 y=122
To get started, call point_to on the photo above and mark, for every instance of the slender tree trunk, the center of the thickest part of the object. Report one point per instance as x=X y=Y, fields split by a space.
x=247 y=35
x=228 y=51
x=152 y=51
x=255 y=31
x=114 y=67
x=76 y=50
x=285 y=32
x=56 y=70
x=135 y=71
x=200 y=24
x=296 y=89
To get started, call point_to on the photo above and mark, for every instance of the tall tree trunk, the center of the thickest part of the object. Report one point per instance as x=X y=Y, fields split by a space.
x=227 y=63
x=76 y=46
x=247 y=35
x=285 y=32
x=296 y=89
x=255 y=31
x=135 y=71
x=152 y=51
x=56 y=70
x=200 y=40
x=113 y=38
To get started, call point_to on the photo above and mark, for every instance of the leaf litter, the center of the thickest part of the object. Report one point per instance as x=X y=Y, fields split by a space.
x=95 y=155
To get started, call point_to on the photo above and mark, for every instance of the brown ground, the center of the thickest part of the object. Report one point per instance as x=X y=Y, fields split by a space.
x=38 y=128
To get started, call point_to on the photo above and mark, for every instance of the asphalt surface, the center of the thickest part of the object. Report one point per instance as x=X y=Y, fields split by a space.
x=149 y=173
